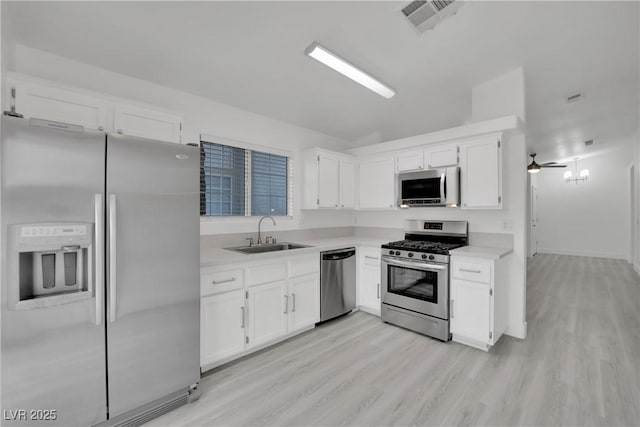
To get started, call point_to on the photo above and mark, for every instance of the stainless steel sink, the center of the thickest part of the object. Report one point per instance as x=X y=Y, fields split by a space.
x=267 y=248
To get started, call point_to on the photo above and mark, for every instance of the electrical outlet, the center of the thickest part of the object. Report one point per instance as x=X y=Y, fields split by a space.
x=507 y=224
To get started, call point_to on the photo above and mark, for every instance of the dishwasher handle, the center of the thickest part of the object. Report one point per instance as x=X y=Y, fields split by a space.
x=336 y=256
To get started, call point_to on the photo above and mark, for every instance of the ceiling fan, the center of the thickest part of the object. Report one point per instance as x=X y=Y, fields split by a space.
x=535 y=167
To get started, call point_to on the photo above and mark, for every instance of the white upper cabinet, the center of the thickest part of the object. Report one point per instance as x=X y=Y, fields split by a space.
x=376 y=183
x=48 y=101
x=410 y=161
x=441 y=156
x=60 y=105
x=329 y=180
x=481 y=173
x=347 y=184
x=145 y=123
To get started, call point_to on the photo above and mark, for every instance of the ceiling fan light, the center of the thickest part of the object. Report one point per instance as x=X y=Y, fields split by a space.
x=533 y=168
x=567 y=175
x=584 y=173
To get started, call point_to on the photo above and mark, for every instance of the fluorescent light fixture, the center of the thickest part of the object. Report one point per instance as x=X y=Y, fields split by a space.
x=331 y=60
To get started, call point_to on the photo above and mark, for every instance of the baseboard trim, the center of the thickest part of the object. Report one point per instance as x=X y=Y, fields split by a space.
x=520 y=331
x=582 y=253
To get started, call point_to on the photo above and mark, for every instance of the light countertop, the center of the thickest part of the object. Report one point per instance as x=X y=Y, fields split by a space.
x=210 y=257
x=481 y=252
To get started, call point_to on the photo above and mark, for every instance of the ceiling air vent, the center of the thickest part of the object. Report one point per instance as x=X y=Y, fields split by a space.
x=588 y=143
x=575 y=97
x=424 y=15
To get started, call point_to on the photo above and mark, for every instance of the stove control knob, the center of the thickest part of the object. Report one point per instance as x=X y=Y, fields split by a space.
x=410 y=254
x=431 y=257
x=390 y=252
x=424 y=256
x=397 y=252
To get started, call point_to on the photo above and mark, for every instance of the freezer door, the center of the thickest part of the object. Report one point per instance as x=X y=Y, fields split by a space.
x=53 y=354
x=153 y=270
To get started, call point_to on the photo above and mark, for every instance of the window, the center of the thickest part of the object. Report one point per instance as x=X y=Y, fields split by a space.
x=239 y=182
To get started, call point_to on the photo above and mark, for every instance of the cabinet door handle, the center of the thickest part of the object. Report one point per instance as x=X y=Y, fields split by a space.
x=286 y=304
x=371 y=257
x=242 y=313
x=451 y=304
x=119 y=131
x=378 y=290
x=293 y=301
x=466 y=270
x=217 y=282
x=100 y=128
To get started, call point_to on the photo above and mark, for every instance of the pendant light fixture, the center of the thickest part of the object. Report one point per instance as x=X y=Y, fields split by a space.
x=583 y=177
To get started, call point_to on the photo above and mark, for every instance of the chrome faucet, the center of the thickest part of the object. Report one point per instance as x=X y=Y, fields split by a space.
x=259 y=242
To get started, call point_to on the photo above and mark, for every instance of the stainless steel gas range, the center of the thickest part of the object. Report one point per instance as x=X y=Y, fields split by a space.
x=415 y=276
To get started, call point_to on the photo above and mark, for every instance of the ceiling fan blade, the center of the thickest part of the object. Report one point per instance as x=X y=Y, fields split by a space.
x=548 y=163
x=553 y=166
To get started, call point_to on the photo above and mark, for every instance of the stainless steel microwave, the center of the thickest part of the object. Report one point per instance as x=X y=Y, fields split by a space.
x=435 y=187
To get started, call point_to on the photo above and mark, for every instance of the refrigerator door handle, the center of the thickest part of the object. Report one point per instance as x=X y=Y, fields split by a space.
x=112 y=258
x=99 y=251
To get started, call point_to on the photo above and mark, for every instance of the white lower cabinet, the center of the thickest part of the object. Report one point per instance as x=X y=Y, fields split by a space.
x=222 y=328
x=478 y=302
x=247 y=307
x=267 y=307
x=369 y=283
x=304 y=309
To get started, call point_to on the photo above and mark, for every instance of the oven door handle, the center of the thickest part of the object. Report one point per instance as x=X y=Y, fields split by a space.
x=415 y=264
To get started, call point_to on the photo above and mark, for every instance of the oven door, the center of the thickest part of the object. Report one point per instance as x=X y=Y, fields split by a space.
x=416 y=285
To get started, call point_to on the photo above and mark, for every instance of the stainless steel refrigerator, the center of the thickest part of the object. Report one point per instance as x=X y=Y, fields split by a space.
x=100 y=275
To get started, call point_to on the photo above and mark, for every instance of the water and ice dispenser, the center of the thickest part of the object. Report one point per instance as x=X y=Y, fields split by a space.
x=53 y=260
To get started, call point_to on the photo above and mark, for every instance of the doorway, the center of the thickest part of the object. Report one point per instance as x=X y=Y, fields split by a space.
x=633 y=214
x=533 y=216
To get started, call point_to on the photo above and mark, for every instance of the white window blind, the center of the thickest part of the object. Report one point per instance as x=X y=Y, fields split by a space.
x=239 y=182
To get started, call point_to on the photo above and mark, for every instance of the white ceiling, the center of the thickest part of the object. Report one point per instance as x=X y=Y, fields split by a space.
x=250 y=55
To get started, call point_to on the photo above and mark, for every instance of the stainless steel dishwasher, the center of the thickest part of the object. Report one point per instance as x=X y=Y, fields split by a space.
x=337 y=283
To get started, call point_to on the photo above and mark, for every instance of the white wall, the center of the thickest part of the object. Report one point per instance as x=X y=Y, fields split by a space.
x=200 y=115
x=592 y=218
x=499 y=97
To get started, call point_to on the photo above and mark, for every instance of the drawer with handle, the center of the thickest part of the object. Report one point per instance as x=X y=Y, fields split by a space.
x=474 y=272
x=221 y=281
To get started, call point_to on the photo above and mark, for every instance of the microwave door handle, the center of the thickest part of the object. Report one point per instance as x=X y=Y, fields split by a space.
x=443 y=196
x=418 y=265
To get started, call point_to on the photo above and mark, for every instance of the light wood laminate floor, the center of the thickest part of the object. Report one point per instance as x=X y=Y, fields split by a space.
x=578 y=366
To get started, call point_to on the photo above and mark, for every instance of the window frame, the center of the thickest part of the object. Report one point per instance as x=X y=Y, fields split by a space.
x=248 y=178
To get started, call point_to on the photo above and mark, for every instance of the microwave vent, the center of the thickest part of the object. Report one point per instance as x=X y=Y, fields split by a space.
x=424 y=15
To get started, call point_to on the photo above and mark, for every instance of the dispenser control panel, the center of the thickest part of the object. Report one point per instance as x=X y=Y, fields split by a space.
x=52 y=236
x=53 y=231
